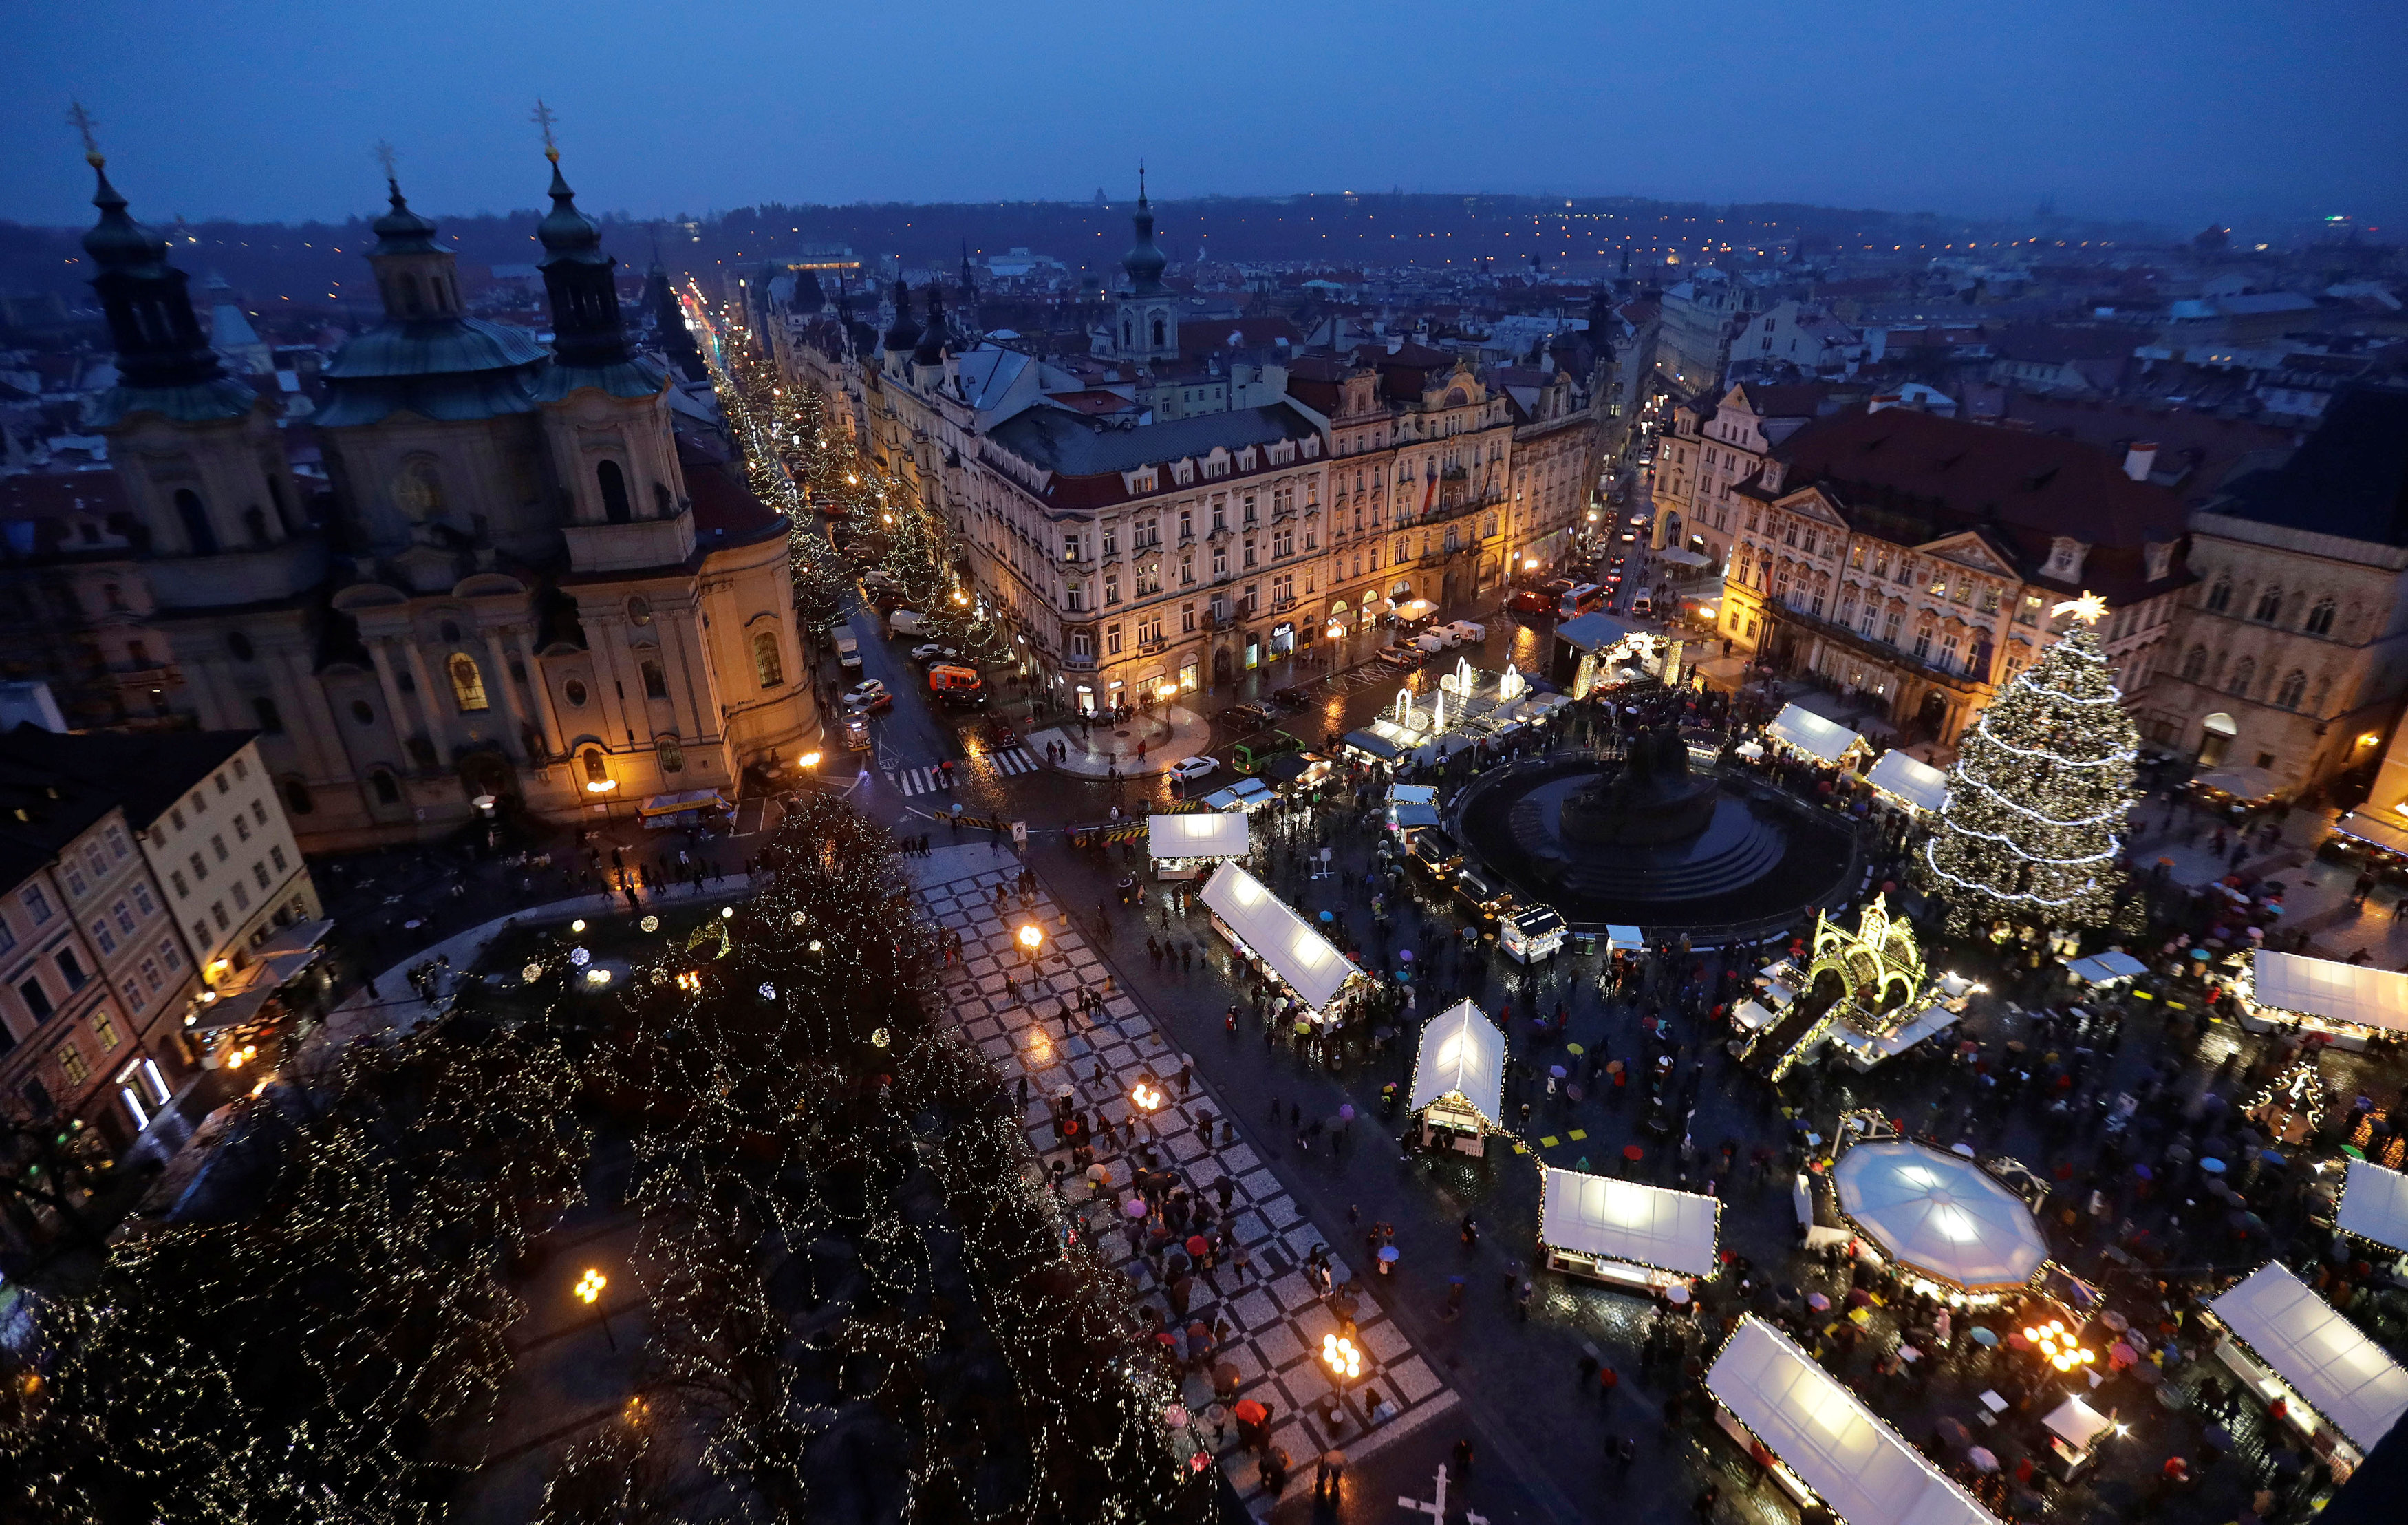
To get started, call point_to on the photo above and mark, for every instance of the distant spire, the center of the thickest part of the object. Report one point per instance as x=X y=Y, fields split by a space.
x=1144 y=262
x=586 y=326
x=158 y=340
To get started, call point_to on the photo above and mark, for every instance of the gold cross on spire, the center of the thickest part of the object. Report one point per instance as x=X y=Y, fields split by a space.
x=2089 y=609
x=544 y=117
x=383 y=154
x=83 y=123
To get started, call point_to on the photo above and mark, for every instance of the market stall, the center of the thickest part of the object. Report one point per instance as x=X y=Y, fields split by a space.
x=2375 y=1206
x=1625 y=1234
x=1247 y=794
x=1865 y=1051
x=2380 y=837
x=1808 y=734
x=1459 y=1095
x=1953 y=1227
x=2348 y=1004
x=1187 y=846
x=2076 y=1432
x=1531 y=933
x=1277 y=942
x=2339 y=1391
x=662 y=811
x=1909 y=782
x=1411 y=807
x=1825 y=1445
x=2109 y=968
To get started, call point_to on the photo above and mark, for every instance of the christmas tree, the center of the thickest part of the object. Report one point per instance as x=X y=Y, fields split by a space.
x=2036 y=804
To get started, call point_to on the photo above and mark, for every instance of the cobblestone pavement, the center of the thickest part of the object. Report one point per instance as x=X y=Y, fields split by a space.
x=1276 y=1319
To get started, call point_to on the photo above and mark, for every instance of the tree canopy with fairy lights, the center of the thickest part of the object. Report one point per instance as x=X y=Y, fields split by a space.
x=2031 y=830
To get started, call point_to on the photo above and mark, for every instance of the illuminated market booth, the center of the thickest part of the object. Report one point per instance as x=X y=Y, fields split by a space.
x=1627 y=1234
x=1468 y=706
x=1821 y=1444
x=1812 y=736
x=1247 y=794
x=2339 y=1392
x=249 y=1007
x=1892 y=1001
x=2345 y=1004
x=2105 y=970
x=2380 y=837
x=1956 y=1231
x=1530 y=933
x=1597 y=651
x=2375 y=1206
x=1909 y=782
x=1191 y=845
x=1278 y=943
x=1411 y=807
x=1459 y=1095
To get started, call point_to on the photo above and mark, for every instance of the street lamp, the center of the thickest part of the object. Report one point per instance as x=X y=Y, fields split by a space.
x=1030 y=939
x=589 y=1292
x=808 y=760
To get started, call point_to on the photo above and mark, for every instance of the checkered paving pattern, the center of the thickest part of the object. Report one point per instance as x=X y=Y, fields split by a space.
x=1276 y=1319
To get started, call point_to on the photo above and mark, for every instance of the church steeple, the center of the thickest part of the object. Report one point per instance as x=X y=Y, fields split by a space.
x=1144 y=262
x=905 y=333
x=1146 y=316
x=586 y=327
x=158 y=340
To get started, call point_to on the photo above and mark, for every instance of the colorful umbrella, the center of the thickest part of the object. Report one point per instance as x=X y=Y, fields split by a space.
x=1985 y=1338
x=1249 y=1412
x=1135 y=1207
x=1633 y=1153
x=1817 y=1301
x=1346 y=1113
x=1198 y=1245
x=1389 y=1253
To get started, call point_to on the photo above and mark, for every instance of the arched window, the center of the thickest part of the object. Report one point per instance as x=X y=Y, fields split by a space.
x=2244 y=672
x=388 y=790
x=297 y=797
x=2220 y=597
x=2320 y=619
x=1157 y=333
x=766 y=663
x=361 y=712
x=467 y=684
x=597 y=770
x=614 y=483
x=2194 y=664
x=1125 y=335
x=2270 y=603
x=664 y=506
x=656 y=682
x=202 y=539
x=2295 y=685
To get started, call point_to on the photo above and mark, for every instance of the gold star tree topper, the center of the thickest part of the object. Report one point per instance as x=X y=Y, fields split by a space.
x=2089 y=609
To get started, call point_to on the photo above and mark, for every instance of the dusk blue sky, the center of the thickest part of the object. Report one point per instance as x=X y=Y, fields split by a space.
x=2247 y=112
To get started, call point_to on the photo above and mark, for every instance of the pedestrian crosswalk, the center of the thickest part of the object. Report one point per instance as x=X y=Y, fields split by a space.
x=911 y=781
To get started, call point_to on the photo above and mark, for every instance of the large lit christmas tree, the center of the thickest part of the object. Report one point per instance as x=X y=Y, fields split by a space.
x=2031 y=831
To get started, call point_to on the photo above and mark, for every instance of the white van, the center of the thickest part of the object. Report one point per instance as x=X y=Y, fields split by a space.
x=848 y=653
x=1468 y=631
x=1431 y=641
x=903 y=622
x=1642 y=607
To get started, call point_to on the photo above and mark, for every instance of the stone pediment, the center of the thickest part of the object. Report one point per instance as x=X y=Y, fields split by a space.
x=1809 y=502
x=1975 y=549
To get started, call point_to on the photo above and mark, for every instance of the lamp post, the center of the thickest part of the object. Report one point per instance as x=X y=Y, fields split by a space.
x=589 y=1292
x=1031 y=939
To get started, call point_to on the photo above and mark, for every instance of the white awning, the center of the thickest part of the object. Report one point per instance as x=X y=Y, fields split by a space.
x=2239 y=783
x=2353 y=993
x=1872 y=1050
x=2343 y=1375
x=2103 y=967
x=1415 y=608
x=1827 y=1436
x=1279 y=937
x=2373 y=830
x=1678 y=556
x=2078 y=1422
x=2374 y=1205
x=1462 y=1053
x=1812 y=733
x=1626 y=1220
x=1906 y=778
x=1198 y=834
x=1940 y=1213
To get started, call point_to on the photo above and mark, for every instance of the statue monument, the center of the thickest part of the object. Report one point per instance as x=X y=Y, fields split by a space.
x=1651 y=798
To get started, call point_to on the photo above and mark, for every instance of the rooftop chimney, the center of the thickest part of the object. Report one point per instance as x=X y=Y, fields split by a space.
x=2140 y=460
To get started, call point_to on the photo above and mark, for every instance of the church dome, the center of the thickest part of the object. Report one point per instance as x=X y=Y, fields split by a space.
x=1145 y=261
x=401 y=231
x=117 y=242
x=565 y=233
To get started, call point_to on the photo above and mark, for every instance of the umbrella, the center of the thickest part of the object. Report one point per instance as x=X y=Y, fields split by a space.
x=2142 y=1172
x=1632 y=1152
x=2218 y=1436
x=1346 y=1113
x=1383 y=1033
x=2150 y=1376
x=1404 y=955
x=1677 y=1295
x=2115 y=1321
x=2200 y=953
x=1817 y=1301
x=1574 y=1048
x=2120 y=1355
x=1198 y=1246
x=1556 y=1070
x=1328 y=917
x=1389 y=1253
x=1135 y=1207
x=1982 y=1459
x=1985 y=1338
x=1953 y=1433
x=1225 y=1376
x=1250 y=1412
x=2212 y=1165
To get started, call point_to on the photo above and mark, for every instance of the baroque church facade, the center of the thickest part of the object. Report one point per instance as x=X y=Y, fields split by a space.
x=520 y=583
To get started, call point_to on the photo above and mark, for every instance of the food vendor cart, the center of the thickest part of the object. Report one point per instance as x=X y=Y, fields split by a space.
x=1819 y=1442
x=1278 y=943
x=2339 y=1392
x=1625 y=1234
x=1459 y=1095
x=1191 y=845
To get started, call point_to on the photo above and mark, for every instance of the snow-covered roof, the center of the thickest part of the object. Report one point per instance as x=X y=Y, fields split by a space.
x=1811 y=734
x=1940 y=1213
x=1910 y=779
x=2375 y=1204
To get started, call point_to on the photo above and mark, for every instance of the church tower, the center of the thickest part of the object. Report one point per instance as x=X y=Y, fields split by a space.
x=1146 y=316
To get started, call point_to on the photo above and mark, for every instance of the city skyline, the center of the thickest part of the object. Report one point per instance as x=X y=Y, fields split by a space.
x=2091 y=108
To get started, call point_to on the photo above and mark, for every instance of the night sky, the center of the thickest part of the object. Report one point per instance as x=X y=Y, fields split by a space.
x=2216 y=108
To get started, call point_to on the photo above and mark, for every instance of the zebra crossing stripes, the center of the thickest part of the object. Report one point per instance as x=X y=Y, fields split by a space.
x=912 y=781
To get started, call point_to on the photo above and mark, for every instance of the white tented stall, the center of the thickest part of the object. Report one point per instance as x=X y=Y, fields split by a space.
x=1187 y=846
x=1827 y=1445
x=1909 y=781
x=1803 y=730
x=2346 y=1002
x=2110 y=968
x=1625 y=1234
x=2375 y=1206
x=1263 y=927
x=1459 y=1095
x=2284 y=1342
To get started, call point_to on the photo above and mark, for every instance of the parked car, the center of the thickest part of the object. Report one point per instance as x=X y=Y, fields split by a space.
x=1404 y=658
x=848 y=653
x=1188 y=770
x=1290 y=699
x=933 y=652
x=856 y=733
x=868 y=695
x=1250 y=716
